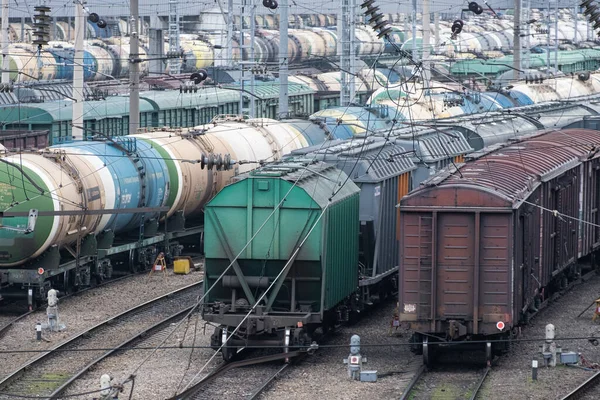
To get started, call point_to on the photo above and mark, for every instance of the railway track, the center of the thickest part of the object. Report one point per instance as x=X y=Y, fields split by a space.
x=52 y=372
x=451 y=383
x=4 y=328
x=240 y=379
x=584 y=388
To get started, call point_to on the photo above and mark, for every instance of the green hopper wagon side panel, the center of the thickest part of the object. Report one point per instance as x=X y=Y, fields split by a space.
x=248 y=209
x=341 y=276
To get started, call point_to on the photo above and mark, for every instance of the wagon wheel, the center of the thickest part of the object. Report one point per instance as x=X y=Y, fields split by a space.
x=228 y=353
x=428 y=352
x=134 y=267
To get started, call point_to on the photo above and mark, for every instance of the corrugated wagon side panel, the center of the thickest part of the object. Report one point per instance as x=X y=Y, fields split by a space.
x=495 y=271
x=455 y=261
x=341 y=254
x=416 y=272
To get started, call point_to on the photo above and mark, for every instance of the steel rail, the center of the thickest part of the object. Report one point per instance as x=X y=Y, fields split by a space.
x=14 y=376
x=5 y=327
x=58 y=392
x=584 y=387
x=408 y=392
x=413 y=382
x=225 y=367
x=263 y=386
x=480 y=383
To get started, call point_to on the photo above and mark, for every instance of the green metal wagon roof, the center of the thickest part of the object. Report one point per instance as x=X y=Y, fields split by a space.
x=205 y=97
x=55 y=111
x=270 y=90
x=319 y=180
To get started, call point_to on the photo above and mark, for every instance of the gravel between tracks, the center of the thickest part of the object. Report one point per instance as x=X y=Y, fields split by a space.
x=160 y=376
x=511 y=378
x=325 y=375
x=83 y=311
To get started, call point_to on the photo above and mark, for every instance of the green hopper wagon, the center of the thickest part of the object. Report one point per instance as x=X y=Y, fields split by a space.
x=260 y=288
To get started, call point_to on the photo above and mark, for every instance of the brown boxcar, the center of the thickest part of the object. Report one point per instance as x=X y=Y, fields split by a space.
x=483 y=246
x=23 y=140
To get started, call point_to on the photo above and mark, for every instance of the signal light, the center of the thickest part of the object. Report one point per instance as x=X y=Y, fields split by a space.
x=456 y=28
x=95 y=19
x=475 y=8
x=199 y=76
x=272 y=4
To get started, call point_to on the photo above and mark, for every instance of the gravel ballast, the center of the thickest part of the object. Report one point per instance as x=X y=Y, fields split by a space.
x=512 y=375
x=83 y=311
x=325 y=374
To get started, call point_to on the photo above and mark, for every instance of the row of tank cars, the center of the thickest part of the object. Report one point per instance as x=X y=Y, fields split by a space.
x=107 y=55
x=313 y=97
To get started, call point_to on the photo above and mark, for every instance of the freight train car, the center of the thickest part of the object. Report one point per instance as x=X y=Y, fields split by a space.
x=157 y=109
x=307 y=253
x=101 y=202
x=350 y=260
x=485 y=244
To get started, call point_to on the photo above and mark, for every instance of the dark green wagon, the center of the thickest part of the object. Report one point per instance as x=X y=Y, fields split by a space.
x=255 y=227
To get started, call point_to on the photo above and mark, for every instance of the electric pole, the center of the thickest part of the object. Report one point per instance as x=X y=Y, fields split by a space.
x=134 y=68
x=5 y=73
x=347 y=51
x=426 y=41
x=77 y=95
x=517 y=41
x=283 y=58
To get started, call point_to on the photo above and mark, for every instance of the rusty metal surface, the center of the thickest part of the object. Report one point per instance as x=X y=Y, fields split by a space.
x=514 y=171
x=476 y=246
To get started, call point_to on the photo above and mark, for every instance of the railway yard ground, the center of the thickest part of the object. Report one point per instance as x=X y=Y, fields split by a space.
x=512 y=374
x=169 y=370
x=82 y=311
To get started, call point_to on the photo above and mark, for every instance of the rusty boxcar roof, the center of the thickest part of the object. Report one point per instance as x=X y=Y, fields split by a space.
x=510 y=172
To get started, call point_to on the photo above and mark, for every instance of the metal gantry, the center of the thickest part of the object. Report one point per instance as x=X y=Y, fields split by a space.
x=347 y=51
x=247 y=30
x=174 y=63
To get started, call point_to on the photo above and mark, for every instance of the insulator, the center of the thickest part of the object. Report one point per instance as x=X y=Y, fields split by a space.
x=367 y=4
x=273 y=5
x=384 y=32
x=380 y=25
x=586 y=3
x=479 y=10
x=101 y=24
x=372 y=10
x=375 y=19
x=590 y=9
